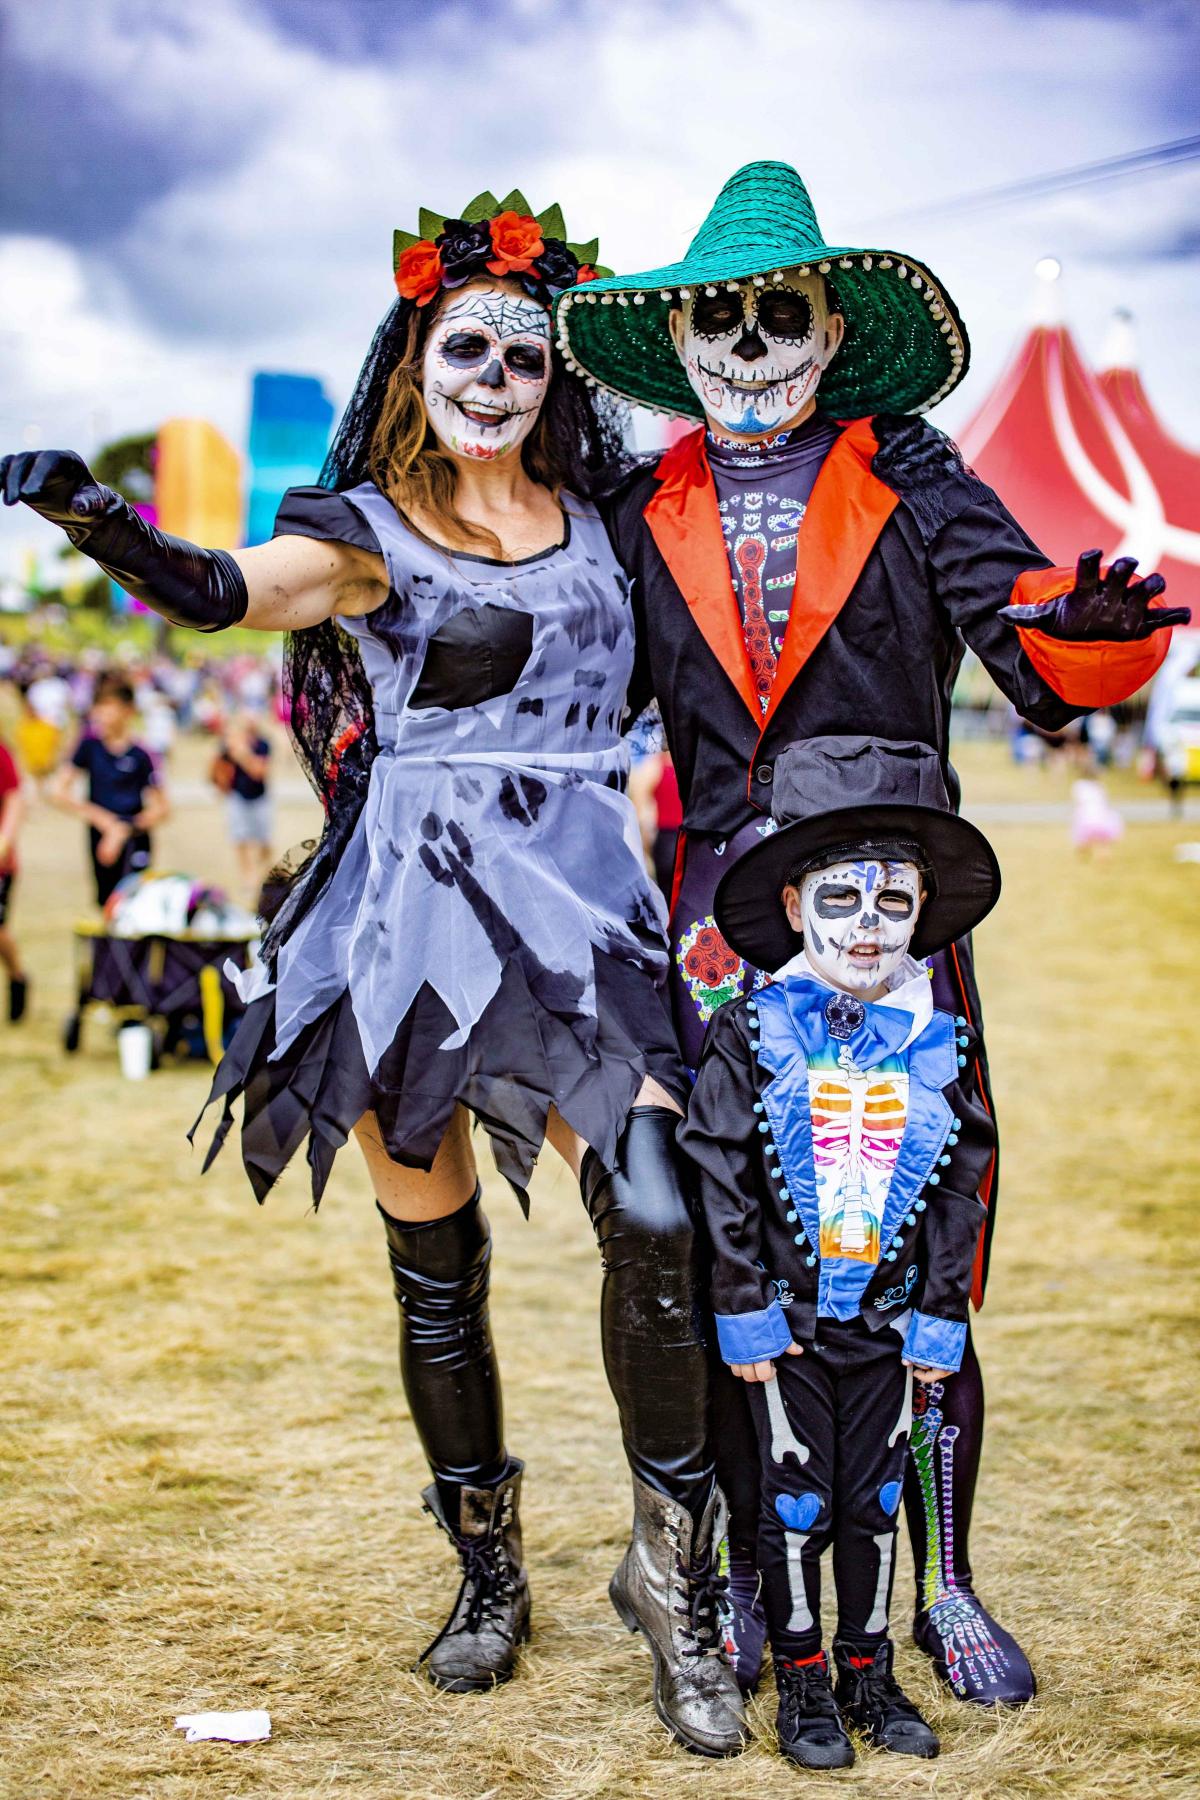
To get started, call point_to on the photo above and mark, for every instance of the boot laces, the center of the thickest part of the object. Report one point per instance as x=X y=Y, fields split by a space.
x=806 y=1692
x=876 y=1690
x=706 y=1593
x=487 y=1583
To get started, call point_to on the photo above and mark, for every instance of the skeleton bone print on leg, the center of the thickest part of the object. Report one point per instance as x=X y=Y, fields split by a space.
x=784 y=1441
x=884 y=1541
x=754 y=355
x=485 y=371
x=972 y=1657
x=801 y=1619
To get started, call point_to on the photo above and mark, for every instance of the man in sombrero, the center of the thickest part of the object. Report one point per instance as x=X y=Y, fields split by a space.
x=813 y=560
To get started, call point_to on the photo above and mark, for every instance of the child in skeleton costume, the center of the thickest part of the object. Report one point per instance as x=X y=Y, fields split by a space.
x=841 y=1141
x=476 y=933
x=812 y=560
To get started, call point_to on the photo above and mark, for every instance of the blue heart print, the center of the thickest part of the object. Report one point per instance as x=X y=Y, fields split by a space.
x=798 y=1511
x=889 y=1497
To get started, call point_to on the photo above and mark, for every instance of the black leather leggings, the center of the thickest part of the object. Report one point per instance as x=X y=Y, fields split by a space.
x=650 y=1310
x=650 y=1322
x=441 y=1271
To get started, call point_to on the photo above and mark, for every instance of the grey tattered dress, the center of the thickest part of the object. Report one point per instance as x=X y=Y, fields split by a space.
x=490 y=934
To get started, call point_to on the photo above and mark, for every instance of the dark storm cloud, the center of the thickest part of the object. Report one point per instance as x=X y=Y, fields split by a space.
x=356 y=30
x=85 y=144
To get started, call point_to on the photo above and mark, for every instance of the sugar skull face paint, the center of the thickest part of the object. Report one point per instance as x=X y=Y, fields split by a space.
x=486 y=370
x=858 y=920
x=755 y=354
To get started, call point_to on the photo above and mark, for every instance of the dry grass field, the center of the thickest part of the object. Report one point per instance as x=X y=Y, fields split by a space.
x=210 y=1485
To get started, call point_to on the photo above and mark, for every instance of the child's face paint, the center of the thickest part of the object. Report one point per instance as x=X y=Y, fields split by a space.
x=858 y=920
x=486 y=370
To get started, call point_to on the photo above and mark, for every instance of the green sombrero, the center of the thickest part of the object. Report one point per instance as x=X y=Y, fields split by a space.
x=905 y=346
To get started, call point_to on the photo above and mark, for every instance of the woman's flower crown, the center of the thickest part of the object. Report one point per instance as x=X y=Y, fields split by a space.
x=495 y=237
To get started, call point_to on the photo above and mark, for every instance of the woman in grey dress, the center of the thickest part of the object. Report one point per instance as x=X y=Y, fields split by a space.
x=475 y=936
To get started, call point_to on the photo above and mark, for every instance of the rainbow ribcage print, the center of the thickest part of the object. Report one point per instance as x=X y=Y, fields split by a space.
x=857 y=1124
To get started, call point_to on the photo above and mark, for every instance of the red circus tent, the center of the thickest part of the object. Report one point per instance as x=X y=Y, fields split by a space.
x=1083 y=462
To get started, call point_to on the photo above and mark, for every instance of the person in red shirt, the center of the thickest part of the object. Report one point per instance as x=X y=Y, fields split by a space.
x=12 y=812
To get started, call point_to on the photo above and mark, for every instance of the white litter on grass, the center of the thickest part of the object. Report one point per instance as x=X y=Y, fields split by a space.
x=1187 y=853
x=231 y=1728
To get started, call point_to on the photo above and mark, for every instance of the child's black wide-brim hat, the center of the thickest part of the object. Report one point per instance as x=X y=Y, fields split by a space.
x=847 y=794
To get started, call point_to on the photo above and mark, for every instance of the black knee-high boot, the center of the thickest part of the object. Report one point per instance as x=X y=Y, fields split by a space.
x=441 y=1273
x=650 y=1312
x=669 y=1584
x=972 y=1652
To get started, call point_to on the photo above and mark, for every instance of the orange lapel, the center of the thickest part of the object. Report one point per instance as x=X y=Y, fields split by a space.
x=849 y=508
x=686 y=525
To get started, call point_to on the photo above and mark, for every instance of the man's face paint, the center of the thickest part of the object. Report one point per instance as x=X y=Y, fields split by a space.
x=486 y=370
x=858 y=920
x=754 y=355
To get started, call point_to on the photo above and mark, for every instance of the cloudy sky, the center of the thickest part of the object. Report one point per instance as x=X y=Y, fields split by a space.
x=190 y=192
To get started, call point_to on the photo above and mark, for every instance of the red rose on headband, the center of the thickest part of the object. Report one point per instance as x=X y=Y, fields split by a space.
x=517 y=240
x=419 y=274
x=586 y=273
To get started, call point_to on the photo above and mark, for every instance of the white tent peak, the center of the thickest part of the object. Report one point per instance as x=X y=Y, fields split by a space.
x=1120 y=345
x=1046 y=307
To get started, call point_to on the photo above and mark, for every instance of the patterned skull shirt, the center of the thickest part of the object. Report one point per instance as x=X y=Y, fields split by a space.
x=763 y=492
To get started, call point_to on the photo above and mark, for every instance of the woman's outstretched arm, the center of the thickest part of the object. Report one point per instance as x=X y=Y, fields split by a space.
x=285 y=585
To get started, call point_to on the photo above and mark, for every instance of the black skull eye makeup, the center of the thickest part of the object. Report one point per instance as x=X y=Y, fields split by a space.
x=785 y=315
x=834 y=902
x=463 y=348
x=527 y=361
x=895 y=903
x=716 y=315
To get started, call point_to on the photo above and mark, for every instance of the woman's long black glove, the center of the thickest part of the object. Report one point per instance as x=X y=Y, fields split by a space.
x=202 y=589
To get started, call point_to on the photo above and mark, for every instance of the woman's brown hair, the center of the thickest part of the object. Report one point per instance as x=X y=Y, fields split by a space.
x=409 y=465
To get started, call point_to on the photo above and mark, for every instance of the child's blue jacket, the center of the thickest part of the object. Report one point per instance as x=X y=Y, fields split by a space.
x=750 y=1133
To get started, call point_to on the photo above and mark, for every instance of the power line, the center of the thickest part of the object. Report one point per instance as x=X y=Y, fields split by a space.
x=1109 y=168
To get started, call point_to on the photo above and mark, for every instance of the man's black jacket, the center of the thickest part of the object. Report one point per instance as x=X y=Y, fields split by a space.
x=902 y=556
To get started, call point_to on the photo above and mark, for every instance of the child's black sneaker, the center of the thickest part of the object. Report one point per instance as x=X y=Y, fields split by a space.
x=872 y=1699
x=810 y=1729
x=18 y=998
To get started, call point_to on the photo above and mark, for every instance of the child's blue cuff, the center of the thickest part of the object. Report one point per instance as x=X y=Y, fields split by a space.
x=932 y=1343
x=751 y=1337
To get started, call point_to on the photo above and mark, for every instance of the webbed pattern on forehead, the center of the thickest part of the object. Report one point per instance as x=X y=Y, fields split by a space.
x=485 y=372
x=504 y=314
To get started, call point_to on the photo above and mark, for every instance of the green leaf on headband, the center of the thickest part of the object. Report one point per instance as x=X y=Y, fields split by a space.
x=552 y=223
x=402 y=241
x=585 y=253
x=515 y=202
x=483 y=206
x=430 y=224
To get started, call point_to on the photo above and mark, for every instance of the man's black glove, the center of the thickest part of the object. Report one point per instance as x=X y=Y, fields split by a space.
x=1112 y=606
x=203 y=589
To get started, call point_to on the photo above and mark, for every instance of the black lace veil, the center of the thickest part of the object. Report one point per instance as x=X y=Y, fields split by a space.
x=332 y=723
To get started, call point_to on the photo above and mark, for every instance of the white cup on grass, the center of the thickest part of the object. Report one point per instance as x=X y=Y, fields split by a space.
x=135 y=1044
